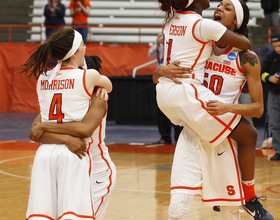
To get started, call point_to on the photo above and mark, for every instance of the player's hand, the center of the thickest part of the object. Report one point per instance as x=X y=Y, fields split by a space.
x=174 y=71
x=274 y=78
x=101 y=93
x=36 y=132
x=76 y=146
x=215 y=107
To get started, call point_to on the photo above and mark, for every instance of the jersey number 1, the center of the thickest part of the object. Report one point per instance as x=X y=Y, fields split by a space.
x=169 y=51
x=55 y=108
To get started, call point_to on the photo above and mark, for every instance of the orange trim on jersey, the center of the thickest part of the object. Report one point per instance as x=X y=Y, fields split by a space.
x=200 y=52
x=106 y=161
x=228 y=50
x=67 y=68
x=89 y=157
x=227 y=126
x=240 y=90
x=91 y=141
x=186 y=187
x=225 y=200
x=187 y=12
x=238 y=64
x=80 y=216
x=237 y=171
x=84 y=83
x=202 y=42
x=40 y=216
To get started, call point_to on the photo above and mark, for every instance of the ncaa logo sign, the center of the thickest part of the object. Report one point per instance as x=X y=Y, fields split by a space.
x=231 y=56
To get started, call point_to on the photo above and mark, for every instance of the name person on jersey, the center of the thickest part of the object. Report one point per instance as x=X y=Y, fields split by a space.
x=177 y=30
x=57 y=84
x=220 y=68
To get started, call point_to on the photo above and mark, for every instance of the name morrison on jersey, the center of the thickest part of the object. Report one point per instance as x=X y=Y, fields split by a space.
x=57 y=84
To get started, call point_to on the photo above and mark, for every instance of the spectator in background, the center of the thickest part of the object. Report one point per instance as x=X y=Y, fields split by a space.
x=54 y=13
x=271 y=12
x=270 y=75
x=164 y=124
x=79 y=10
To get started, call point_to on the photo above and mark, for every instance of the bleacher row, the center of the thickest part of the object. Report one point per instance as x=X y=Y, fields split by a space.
x=118 y=21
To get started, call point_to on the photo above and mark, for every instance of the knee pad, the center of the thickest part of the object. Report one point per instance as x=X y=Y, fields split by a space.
x=179 y=206
x=230 y=212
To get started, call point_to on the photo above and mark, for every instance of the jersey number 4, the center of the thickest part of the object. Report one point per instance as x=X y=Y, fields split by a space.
x=55 y=108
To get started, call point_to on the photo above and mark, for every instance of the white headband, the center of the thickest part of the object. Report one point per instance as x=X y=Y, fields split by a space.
x=75 y=45
x=189 y=3
x=238 y=12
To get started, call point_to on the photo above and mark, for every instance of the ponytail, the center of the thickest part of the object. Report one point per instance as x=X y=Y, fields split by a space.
x=38 y=62
x=46 y=55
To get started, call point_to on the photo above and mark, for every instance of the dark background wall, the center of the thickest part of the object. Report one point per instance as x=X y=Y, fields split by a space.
x=133 y=101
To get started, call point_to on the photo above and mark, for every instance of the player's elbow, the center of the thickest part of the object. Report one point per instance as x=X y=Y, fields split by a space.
x=110 y=88
x=259 y=113
x=247 y=46
x=87 y=134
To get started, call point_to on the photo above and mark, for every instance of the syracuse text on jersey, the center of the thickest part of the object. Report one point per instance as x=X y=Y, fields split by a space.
x=57 y=84
x=221 y=68
x=177 y=30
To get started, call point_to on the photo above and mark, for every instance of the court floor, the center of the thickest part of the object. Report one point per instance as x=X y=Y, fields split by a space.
x=143 y=174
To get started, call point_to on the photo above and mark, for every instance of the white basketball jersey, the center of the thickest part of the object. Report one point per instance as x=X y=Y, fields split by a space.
x=188 y=39
x=99 y=150
x=224 y=76
x=70 y=105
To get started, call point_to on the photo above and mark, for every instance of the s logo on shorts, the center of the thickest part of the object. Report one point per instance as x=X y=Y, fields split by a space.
x=231 y=56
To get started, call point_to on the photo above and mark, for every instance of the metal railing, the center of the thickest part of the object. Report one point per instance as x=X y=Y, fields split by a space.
x=142 y=66
x=41 y=30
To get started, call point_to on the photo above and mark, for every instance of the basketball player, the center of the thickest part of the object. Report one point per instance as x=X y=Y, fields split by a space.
x=182 y=111
x=61 y=183
x=93 y=124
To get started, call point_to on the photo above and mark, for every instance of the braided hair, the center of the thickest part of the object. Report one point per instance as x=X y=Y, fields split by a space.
x=46 y=55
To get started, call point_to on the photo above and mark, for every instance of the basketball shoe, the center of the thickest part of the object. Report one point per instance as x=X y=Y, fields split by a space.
x=256 y=210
